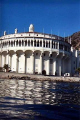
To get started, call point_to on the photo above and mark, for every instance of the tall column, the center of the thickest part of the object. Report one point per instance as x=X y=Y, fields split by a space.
x=17 y=63
x=33 y=63
x=60 y=67
x=41 y=63
x=54 y=66
x=0 y=60
x=24 y=63
x=48 y=72
x=69 y=65
x=4 y=59
x=7 y=58
x=11 y=61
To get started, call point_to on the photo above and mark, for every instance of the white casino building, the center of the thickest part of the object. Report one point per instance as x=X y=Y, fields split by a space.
x=32 y=52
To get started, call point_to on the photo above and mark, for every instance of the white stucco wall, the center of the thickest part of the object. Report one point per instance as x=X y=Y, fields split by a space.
x=31 y=52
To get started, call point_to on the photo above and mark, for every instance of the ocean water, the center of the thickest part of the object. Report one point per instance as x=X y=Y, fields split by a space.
x=39 y=100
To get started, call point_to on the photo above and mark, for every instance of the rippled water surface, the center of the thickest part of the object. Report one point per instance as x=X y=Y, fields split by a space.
x=39 y=100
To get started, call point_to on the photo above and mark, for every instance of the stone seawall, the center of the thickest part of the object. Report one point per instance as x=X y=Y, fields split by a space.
x=21 y=76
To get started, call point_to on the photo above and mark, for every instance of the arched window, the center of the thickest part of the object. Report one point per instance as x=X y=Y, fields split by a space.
x=56 y=45
x=40 y=43
x=19 y=43
x=49 y=44
x=22 y=43
x=14 y=43
x=11 y=43
x=7 y=43
x=35 y=43
x=31 y=42
x=60 y=46
x=46 y=44
x=43 y=43
x=3 y=44
x=26 y=43
x=52 y=44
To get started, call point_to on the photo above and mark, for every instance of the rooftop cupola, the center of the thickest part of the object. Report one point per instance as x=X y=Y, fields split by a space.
x=4 y=32
x=16 y=30
x=31 y=28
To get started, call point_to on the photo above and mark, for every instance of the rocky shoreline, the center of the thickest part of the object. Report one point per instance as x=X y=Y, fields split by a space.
x=37 y=77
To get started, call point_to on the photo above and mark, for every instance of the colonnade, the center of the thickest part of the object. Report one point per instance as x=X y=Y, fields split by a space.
x=45 y=43
x=36 y=62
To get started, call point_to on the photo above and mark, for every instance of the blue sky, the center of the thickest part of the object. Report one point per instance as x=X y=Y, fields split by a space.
x=59 y=16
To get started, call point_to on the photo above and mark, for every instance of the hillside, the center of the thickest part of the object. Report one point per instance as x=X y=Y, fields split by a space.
x=75 y=40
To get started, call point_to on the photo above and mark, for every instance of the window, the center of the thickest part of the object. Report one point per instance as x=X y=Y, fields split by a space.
x=31 y=43
x=19 y=43
x=22 y=43
x=51 y=55
x=40 y=43
x=37 y=43
x=49 y=44
x=43 y=43
x=46 y=44
x=26 y=43
x=44 y=54
x=36 y=54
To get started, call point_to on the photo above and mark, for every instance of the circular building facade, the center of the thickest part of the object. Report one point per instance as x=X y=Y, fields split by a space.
x=32 y=52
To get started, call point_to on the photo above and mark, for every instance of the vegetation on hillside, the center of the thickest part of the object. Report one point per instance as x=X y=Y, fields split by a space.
x=78 y=70
x=75 y=40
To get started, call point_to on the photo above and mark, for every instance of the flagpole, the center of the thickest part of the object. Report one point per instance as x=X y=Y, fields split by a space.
x=64 y=36
x=51 y=32
x=68 y=38
x=58 y=35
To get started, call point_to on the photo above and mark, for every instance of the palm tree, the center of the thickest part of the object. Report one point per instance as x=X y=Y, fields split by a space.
x=78 y=70
x=6 y=67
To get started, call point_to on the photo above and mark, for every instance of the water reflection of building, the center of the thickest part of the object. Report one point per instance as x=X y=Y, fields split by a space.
x=28 y=92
